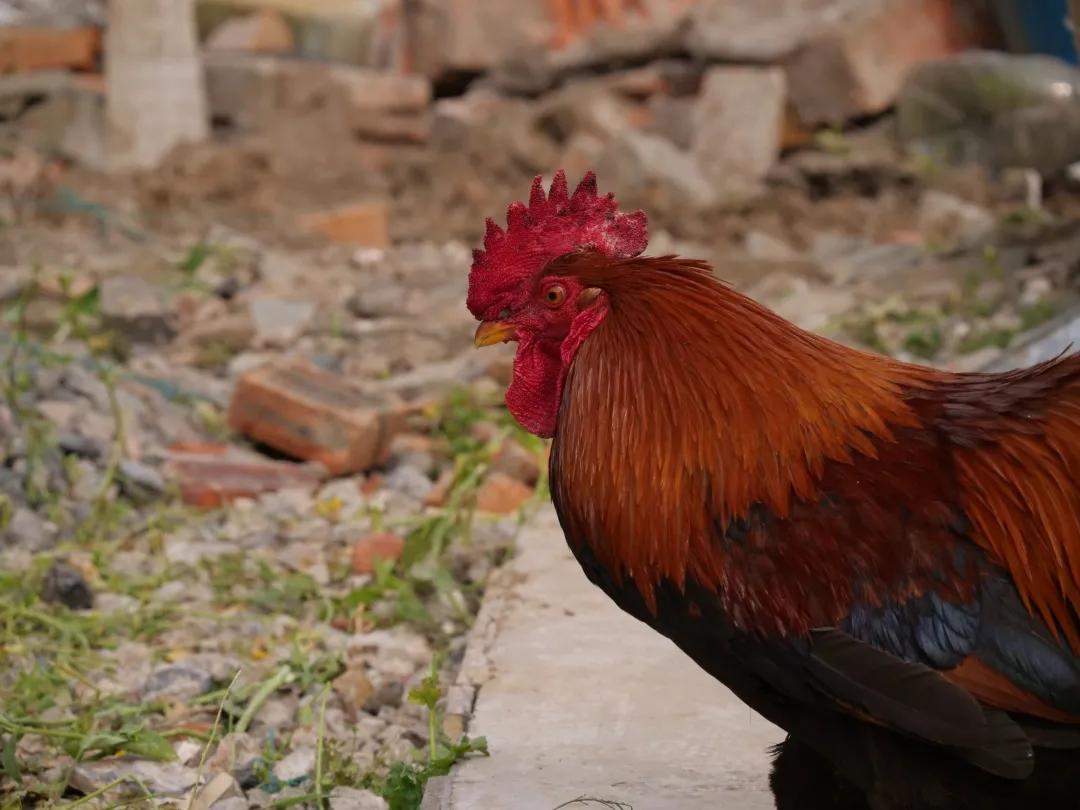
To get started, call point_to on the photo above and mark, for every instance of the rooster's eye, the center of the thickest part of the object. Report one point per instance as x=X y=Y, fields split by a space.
x=554 y=295
x=504 y=313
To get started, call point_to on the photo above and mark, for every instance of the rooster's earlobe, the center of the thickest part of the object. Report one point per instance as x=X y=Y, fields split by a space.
x=587 y=297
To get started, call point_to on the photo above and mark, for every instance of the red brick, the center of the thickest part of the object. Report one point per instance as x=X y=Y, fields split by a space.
x=263 y=32
x=500 y=494
x=364 y=224
x=314 y=415
x=857 y=68
x=25 y=49
x=212 y=479
x=375 y=546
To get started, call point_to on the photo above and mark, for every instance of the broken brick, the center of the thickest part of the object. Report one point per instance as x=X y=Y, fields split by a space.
x=502 y=495
x=26 y=49
x=375 y=546
x=215 y=478
x=263 y=32
x=314 y=415
x=363 y=224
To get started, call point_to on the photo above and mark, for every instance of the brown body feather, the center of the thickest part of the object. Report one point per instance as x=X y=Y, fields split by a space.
x=780 y=481
x=717 y=404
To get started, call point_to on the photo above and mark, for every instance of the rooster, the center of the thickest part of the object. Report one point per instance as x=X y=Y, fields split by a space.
x=874 y=555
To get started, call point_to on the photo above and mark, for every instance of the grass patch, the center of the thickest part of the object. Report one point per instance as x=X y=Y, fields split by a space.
x=925 y=343
x=981 y=339
x=55 y=662
x=1037 y=314
x=45 y=688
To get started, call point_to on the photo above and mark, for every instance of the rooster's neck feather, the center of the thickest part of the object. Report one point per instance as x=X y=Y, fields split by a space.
x=690 y=404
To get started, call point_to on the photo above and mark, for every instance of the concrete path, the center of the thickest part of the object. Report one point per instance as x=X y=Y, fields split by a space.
x=578 y=699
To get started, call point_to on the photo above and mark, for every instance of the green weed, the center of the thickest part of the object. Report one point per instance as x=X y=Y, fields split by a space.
x=981 y=339
x=1037 y=314
x=403 y=787
x=925 y=343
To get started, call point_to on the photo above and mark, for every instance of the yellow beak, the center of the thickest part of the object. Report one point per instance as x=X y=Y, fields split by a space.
x=491 y=332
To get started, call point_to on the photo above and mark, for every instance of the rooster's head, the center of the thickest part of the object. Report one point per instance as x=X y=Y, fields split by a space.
x=516 y=295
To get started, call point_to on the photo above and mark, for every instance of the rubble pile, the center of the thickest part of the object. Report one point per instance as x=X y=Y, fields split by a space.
x=244 y=495
x=437 y=109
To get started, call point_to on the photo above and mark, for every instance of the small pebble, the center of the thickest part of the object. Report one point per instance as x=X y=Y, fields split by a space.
x=65 y=584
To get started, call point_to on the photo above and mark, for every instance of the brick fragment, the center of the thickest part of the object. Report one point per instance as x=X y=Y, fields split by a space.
x=502 y=495
x=209 y=476
x=363 y=224
x=24 y=49
x=314 y=415
x=375 y=546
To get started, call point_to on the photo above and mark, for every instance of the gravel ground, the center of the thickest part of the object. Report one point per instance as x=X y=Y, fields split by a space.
x=292 y=644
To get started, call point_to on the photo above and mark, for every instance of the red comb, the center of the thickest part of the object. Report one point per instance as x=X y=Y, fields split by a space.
x=550 y=226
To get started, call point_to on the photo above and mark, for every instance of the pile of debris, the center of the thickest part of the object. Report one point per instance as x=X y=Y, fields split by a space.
x=237 y=497
x=387 y=121
x=683 y=105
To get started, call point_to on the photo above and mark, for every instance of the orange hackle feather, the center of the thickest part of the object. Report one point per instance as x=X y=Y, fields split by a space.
x=690 y=406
